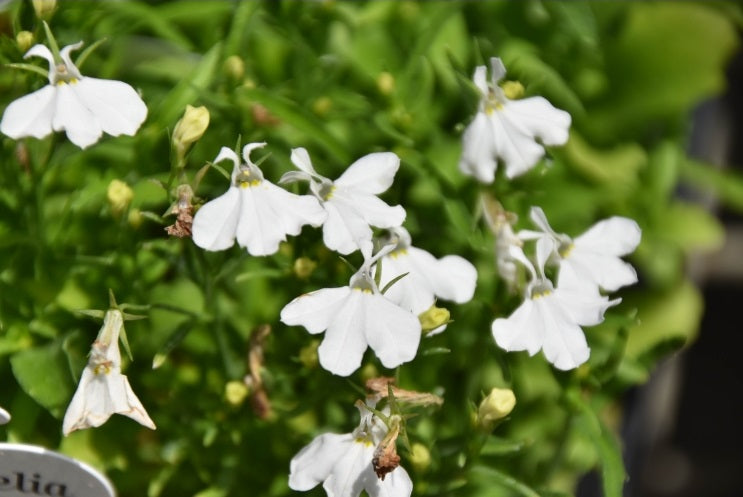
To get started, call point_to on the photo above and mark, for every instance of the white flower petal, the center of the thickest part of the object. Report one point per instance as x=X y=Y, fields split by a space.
x=521 y=331
x=540 y=119
x=395 y=484
x=344 y=344
x=259 y=228
x=126 y=402
x=227 y=153
x=454 y=279
x=497 y=69
x=215 y=223
x=30 y=115
x=375 y=212
x=118 y=108
x=345 y=230
x=315 y=462
x=43 y=52
x=584 y=304
x=480 y=78
x=346 y=479
x=372 y=173
x=301 y=159
x=315 y=310
x=513 y=144
x=71 y=115
x=392 y=332
x=413 y=292
x=614 y=236
x=294 y=211
x=587 y=268
x=564 y=343
x=478 y=149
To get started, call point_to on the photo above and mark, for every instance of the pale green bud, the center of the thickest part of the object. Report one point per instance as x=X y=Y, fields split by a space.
x=308 y=354
x=433 y=318
x=420 y=457
x=44 y=8
x=322 y=106
x=234 y=67
x=235 y=392
x=191 y=127
x=119 y=196
x=24 y=40
x=513 y=90
x=135 y=218
x=497 y=405
x=303 y=267
x=385 y=83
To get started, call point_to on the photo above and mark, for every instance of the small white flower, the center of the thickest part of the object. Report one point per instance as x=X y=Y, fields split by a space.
x=253 y=210
x=356 y=316
x=592 y=258
x=351 y=201
x=84 y=107
x=343 y=463
x=103 y=390
x=450 y=278
x=508 y=129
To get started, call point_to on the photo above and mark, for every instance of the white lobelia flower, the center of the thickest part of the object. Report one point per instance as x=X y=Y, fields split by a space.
x=351 y=201
x=103 y=390
x=450 y=278
x=343 y=463
x=82 y=106
x=592 y=258
x=356 y=316
x=550 y=318
x=508 y=129
x=253 y=210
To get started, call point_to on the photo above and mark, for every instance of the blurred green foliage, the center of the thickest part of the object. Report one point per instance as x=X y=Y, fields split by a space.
x=344 y=79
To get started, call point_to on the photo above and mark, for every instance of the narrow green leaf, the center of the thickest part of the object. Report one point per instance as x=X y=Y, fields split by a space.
x=505 y=480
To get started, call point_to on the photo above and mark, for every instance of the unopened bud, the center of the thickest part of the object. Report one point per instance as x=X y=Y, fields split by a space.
x=191 y=127
x=385 y=83
x=433 y=318
x=497 y=405
x=119 y=196
x=234 y=67
x=420 y=457
x=235 y=392
x=308 y=354
x=44 y=8
x=24 y=40
x=322 y=106
x=513 y=90
x=134 y=218
x=303 y=267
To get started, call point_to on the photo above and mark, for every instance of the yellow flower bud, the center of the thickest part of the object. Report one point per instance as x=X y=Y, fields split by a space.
x=24 y=40
x=513 y=90
x=303 y=267
x=234 y=67
x=235 y=392
x=119 y=196
x=497 y=405
x=420 y=457
x=433 y=318
x=44 y=8
x=322 y=106
x=308 y=354
x=385 y=83
x=135 y=218
x=191 y=127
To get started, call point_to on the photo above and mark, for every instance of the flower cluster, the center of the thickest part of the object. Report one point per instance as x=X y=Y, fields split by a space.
x=551 y=316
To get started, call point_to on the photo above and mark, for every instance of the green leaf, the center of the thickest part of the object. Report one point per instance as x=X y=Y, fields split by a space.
x=727 y=185
x=44 y=374
x=690 y=227
x=617 y=166
x=505 y=480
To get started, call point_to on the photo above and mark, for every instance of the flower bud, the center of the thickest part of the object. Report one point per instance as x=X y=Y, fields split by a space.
x=308 y=354
x=191 y=127
x=322 y=106
x=497 y=405
x=433 y=318
x=513 y=90
x=303 y=267
x=44 y=8
x=235 y=392
x=135 y=218
x=24 y=40
x=420 y=457
x=119 y=196
x=385 y=83
x=234 y=67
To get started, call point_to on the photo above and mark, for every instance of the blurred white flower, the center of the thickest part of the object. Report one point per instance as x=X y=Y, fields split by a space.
x=103 y=390
x=253 y=210
x=550 y=318
x=82 y=106
x=351 y=201
x=592 y=258
x=343 y=463
x=4 y=416
x=508 y=129
x=450 y=278
x=356 y=316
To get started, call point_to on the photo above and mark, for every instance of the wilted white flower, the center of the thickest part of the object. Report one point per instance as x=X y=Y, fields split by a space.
x=343 y=463
x=508 y=129
x=356 y=316
x=103 y=390
x=508 y=246
x=82 y=106
x=253 y=210
x=592 y=258
x=351 y=201
x=550 y=318
x=450 y=278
